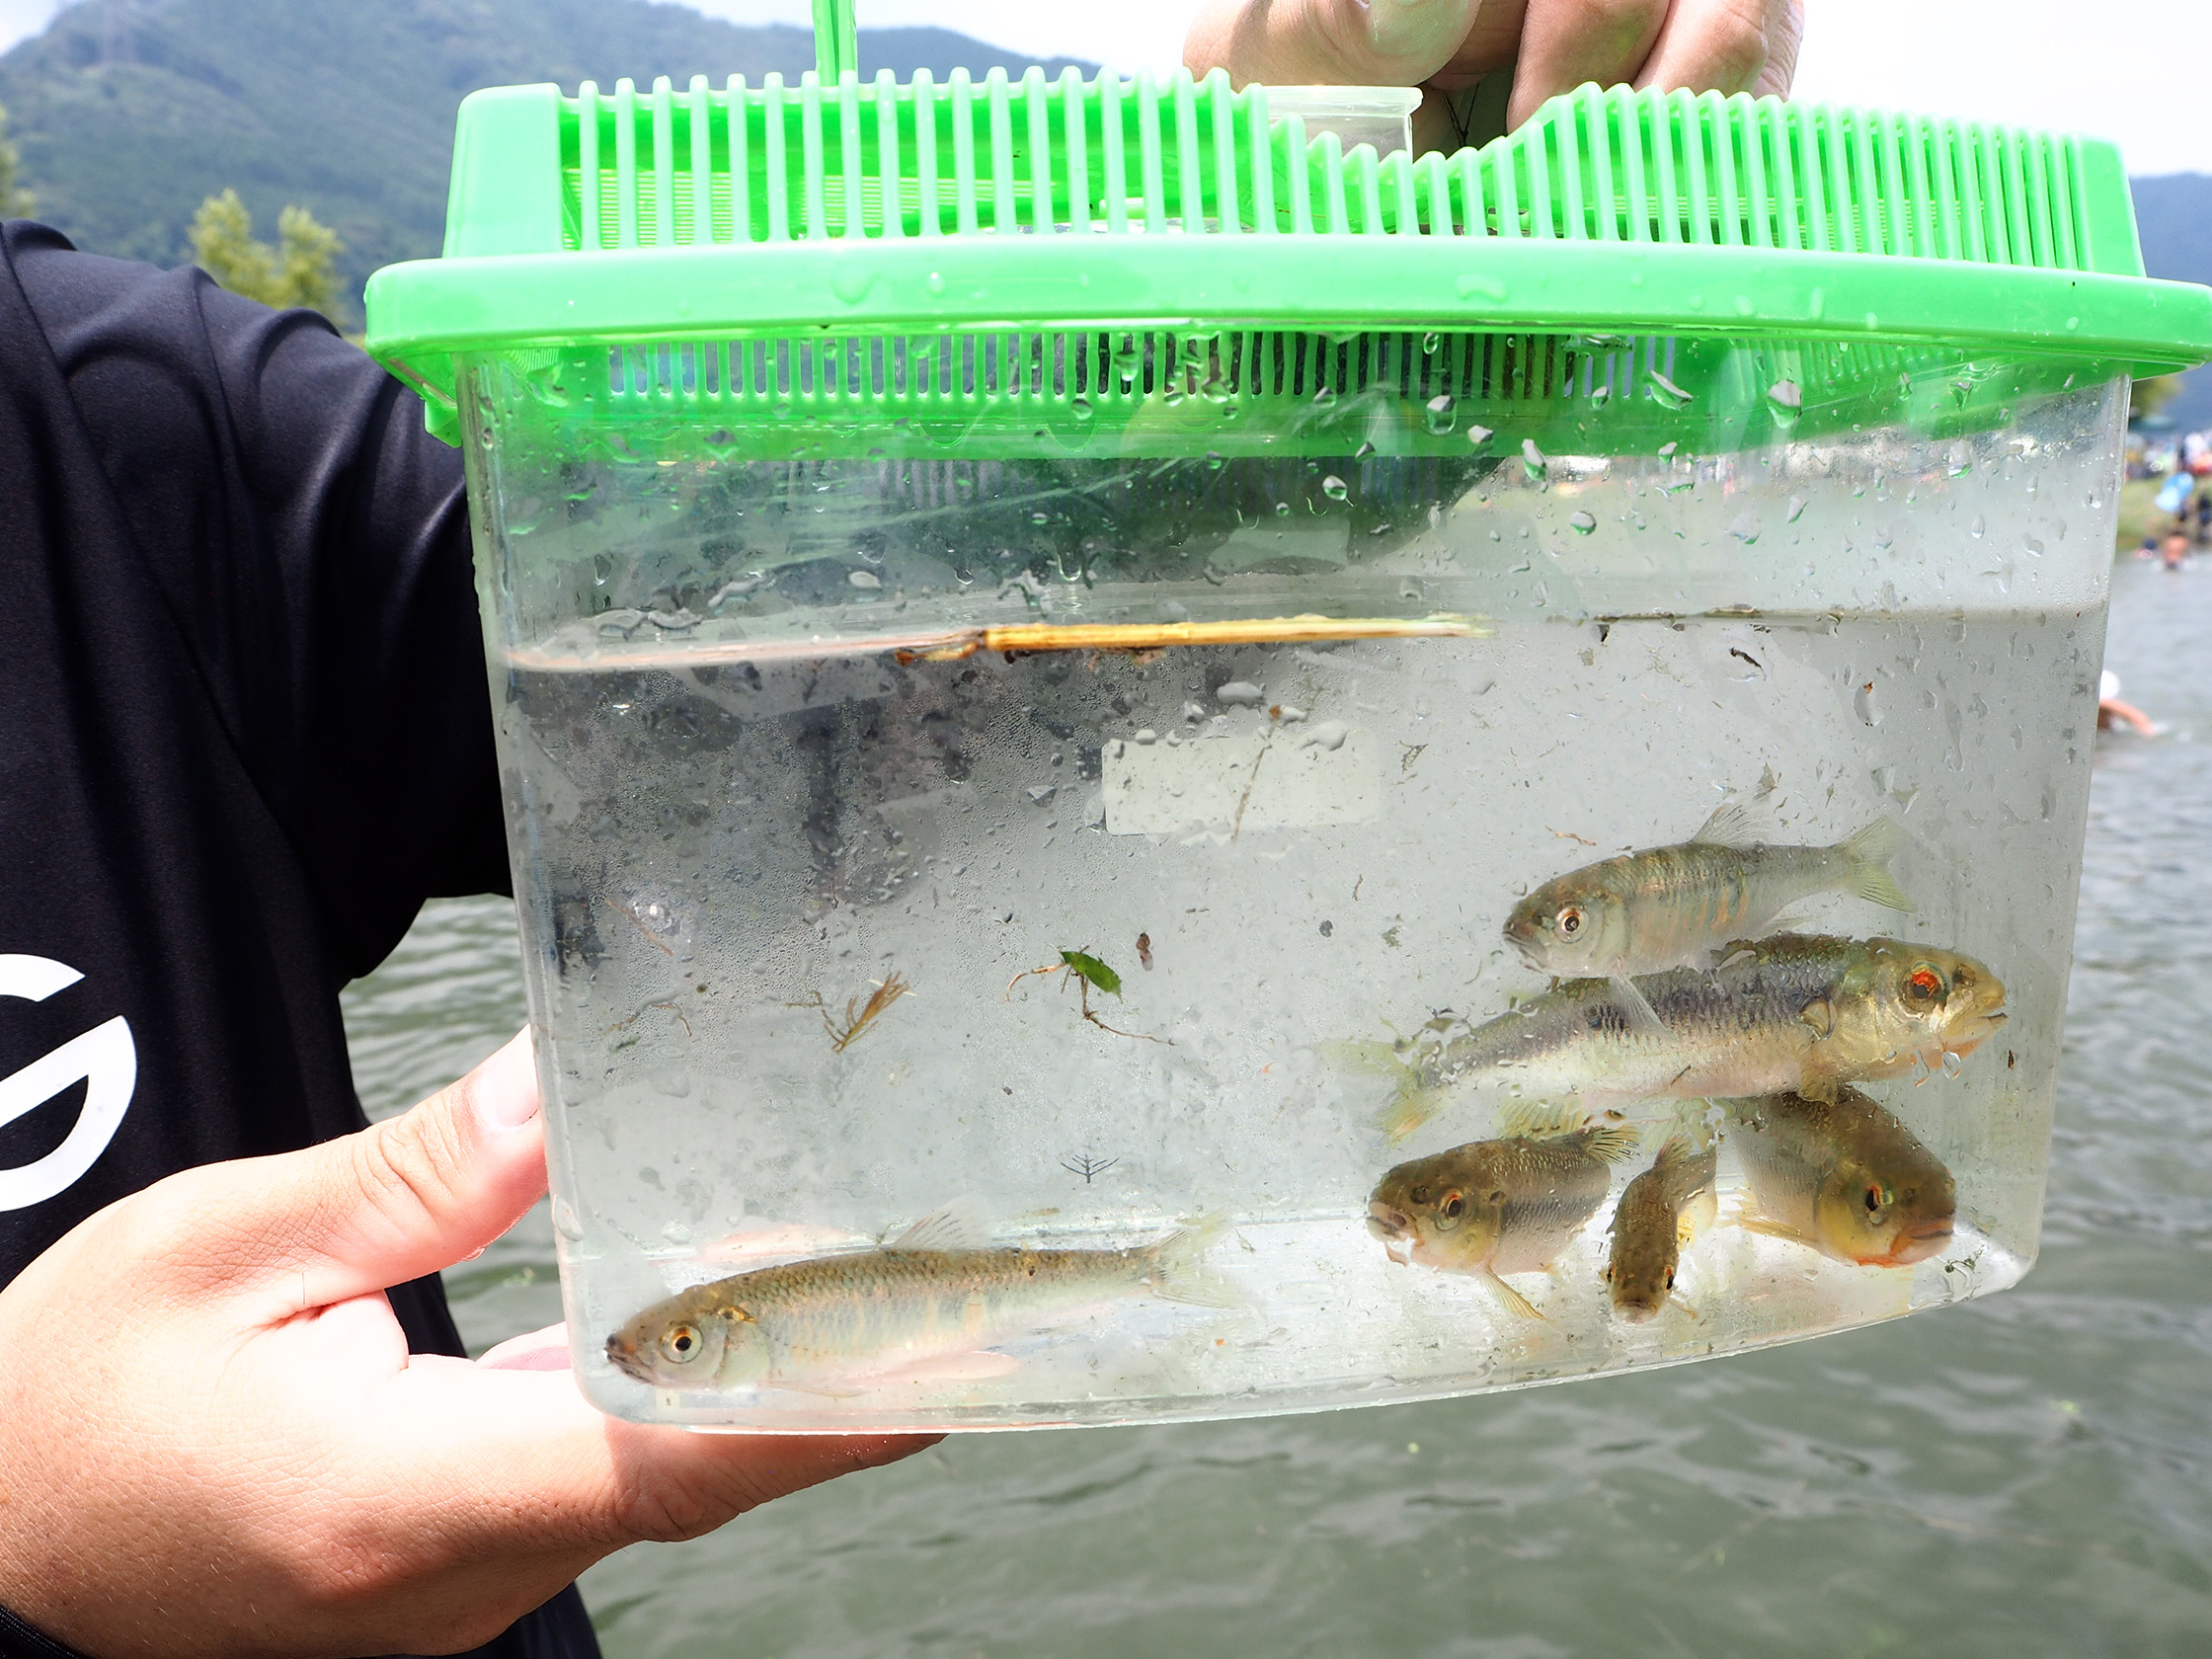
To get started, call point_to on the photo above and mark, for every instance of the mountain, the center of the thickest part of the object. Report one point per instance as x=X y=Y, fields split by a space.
x=129 y=112
x=2174 y=215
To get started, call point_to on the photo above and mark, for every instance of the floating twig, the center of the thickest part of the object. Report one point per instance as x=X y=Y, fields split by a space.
x=1136 y=637
x=637 y=921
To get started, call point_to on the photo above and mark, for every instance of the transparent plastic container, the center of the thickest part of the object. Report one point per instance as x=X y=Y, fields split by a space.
x=1032 y=841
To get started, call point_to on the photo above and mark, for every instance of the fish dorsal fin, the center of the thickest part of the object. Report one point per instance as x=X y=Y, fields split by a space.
x=958 y=1225
x=1542 y=1121
x=1732 y=824
x=1613 y=1143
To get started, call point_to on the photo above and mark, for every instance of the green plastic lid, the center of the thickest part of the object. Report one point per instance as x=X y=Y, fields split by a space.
x=1125 y=262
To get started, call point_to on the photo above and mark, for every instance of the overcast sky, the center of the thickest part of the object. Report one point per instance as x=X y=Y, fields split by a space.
x=2138 y=73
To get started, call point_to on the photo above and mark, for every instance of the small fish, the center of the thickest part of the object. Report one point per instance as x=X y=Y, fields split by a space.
x=1662 y=1210
x=1674 y=907
x=1794 y=1012
x=1842 y=1176
x=938 y=1291
x=1504 y=1206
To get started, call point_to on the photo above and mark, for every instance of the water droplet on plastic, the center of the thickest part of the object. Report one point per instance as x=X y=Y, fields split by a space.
x=1583 y=523
x=1786 y=399
x=1430 y=341
x=1326 y=398
x=565 y=1221
x=1600 y=396
x=1477 y=437
x=1441 y=413
x=1746 y=527
x=1335 y=488
x=1796 y=510
x=1041 y=794
x=1239 y=693
x=1533 y=461
x=1979 y=528
x=1213 y=461
x=1040 y=518
x=1664 y=392
x=864 y=579
x=1953 y=1065
x=1081 y=408
x=1667 y=450
x=1282 y=510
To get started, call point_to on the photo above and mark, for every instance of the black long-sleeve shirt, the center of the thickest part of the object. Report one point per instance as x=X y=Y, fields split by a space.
x=244 y=734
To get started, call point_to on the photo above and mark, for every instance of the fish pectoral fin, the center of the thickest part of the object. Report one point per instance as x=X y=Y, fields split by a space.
x=1512 y=1298
x=1818 y=1088
x=1407 y=1111
x=1750 y=1221
x=836 y=1388
x=979 y=1364
x=1686 y=1231
x=1632 y=1003
x=1689 y=1308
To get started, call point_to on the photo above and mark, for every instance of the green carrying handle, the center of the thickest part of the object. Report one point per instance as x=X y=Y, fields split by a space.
x=836 y=50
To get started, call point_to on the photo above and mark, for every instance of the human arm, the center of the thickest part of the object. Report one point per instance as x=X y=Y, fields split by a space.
x=1444 y=46
x=214 y=1440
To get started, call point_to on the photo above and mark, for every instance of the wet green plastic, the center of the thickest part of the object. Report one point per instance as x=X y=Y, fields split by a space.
x=1115 y=260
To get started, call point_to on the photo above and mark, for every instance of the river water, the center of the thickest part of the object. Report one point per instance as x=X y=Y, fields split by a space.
x=2026 y=1474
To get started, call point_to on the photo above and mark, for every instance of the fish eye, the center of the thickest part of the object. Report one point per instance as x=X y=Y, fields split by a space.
x=1923 y=984
x=682 y=1344
x=1670 y=1277
x=1455 y=1205
x=1570 y=921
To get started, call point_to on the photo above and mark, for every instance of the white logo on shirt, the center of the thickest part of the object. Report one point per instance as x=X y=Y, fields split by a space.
x=104 y=1058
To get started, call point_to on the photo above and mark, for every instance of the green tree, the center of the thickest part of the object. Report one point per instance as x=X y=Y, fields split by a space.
x=302 y=270
x=16 y=202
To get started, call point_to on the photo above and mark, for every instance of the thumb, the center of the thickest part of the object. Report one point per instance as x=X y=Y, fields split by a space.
x=400 y=1199
x=1327 y=42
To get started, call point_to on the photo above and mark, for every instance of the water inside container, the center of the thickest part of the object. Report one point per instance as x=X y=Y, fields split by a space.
x=946 y=1035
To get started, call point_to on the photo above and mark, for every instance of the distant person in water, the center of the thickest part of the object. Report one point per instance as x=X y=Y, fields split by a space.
x=2176 y=551
x=2111 y=713
x=2204 y=517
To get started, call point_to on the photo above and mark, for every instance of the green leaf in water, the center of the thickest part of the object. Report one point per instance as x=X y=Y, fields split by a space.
x=1092 y=971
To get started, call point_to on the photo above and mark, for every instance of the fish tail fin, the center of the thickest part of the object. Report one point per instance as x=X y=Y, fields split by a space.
x=1179 y=1271
x=1868 y=853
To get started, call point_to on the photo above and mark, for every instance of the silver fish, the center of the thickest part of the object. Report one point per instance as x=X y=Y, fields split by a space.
x=1503 y=1206
x=1844 y=1177
x=828 y=1322
x=1674 y=907
x=1794 y=1012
